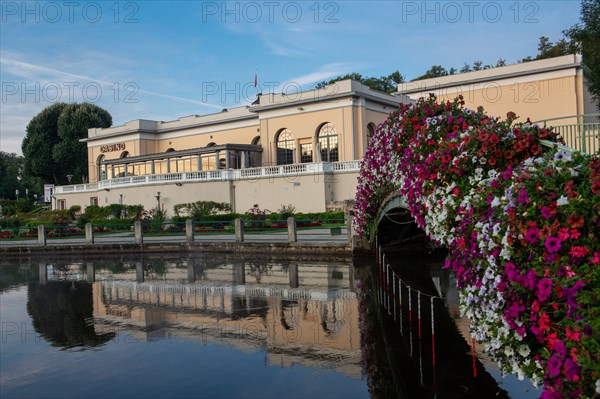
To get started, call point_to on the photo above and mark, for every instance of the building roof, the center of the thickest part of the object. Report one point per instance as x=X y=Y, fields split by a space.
x=492 y=74
x=185 y=122
x=339 y=89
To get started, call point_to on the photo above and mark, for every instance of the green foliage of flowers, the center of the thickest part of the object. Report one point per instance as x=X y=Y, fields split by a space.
x=521 y=226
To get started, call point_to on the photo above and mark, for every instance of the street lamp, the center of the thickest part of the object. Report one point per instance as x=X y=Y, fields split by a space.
x=157 y=196
x=69 y=177
x=17 y=194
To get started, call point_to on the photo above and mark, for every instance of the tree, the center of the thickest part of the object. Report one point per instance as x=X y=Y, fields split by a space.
x=586 y=38
x=10 y=165
x=434 y=72
x=547 y=49
x=466 y=68
x=387 y=84
x=73 y=124
x=51 y=145
x=41 y=137
x=12 y=178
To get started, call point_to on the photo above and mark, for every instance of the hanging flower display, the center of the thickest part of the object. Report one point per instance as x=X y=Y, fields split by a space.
x=521 y=223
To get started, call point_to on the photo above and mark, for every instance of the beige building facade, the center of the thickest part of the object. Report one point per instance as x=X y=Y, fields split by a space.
x=301 y=149
x=304 y=149
x=551 y=90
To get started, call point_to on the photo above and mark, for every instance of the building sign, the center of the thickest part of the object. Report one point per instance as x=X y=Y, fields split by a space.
x=112 y=147
x=48 y=191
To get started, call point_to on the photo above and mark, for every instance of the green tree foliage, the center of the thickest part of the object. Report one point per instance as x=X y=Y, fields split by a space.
x=10 y=165
x=386 y=84
x=200 y=209
x=586 y=37
x=547 y=49
x=12 y=178
x=434 y=72
x=51 y=146
x=41 y=137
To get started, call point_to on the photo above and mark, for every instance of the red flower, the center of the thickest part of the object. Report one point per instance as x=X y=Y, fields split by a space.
x=492 y=161
x=519 y=146
x=575 y=221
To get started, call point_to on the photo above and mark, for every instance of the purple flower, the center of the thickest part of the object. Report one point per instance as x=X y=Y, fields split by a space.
x=546 y=213
x=515 y=309
x=530 y=280
x=523 y=198
x=554 y=366
x=550 y=395
x=532 y=235
x=572 y=370
x=552 y=244
x=559 y=348
x=544 y=289
x=511 y=273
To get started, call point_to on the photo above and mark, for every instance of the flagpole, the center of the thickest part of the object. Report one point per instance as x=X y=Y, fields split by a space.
x=256 y=82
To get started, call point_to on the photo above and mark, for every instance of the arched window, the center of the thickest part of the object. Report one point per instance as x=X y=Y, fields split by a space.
x=170 y=150
x=256 y=140
x=124 y=154
x=211 y=144
x=328 y=143
x=286 y=147
x=101 y=167
x=370 y=132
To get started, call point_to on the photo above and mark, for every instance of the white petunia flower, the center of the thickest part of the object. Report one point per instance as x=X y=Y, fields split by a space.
x=562 y=201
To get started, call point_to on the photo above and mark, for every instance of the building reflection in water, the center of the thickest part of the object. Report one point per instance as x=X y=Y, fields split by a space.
x=297 y=312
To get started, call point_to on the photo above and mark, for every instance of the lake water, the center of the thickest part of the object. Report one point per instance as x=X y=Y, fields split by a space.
x=186 y=326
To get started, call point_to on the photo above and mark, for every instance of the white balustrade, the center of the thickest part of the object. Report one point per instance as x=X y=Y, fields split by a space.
x=302 y=169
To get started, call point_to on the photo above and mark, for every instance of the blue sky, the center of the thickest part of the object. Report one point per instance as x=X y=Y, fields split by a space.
x=163 y=60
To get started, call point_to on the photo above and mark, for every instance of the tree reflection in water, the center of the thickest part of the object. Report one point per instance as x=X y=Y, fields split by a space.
x=61 y=312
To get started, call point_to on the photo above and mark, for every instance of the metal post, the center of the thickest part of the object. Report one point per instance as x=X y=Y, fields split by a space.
x=89 y=234
x=189 y=230
x=239 y=230
x=139 y=236
x=292 y=235
x=42 y=235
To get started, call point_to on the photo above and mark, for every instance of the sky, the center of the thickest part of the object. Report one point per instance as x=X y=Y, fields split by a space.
x=163 y=60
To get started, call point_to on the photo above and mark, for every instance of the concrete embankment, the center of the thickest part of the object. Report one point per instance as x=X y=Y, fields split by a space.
x=326 y=250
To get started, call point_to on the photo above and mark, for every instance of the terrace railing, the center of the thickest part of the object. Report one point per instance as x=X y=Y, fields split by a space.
x=581 y=132
x=265 y=172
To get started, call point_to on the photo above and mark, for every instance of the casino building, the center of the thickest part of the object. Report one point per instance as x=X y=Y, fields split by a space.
x=302 y=149
x=305 y=148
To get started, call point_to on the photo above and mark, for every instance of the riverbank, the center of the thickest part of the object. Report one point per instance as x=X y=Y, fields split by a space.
x=323 y=250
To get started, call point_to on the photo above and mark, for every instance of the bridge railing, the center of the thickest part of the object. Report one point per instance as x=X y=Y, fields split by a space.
x=581 y=132
x=243 y=229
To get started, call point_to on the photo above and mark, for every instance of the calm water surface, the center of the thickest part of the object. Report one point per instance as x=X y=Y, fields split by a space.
x=222 y=327
x=193 y=328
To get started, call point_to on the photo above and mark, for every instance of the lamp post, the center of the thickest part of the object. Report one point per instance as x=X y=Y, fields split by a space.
x=17 y=194
x=69 y=177
x=157 y=196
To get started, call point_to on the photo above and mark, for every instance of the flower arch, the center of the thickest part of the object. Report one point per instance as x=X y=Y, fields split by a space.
x=521 y=224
